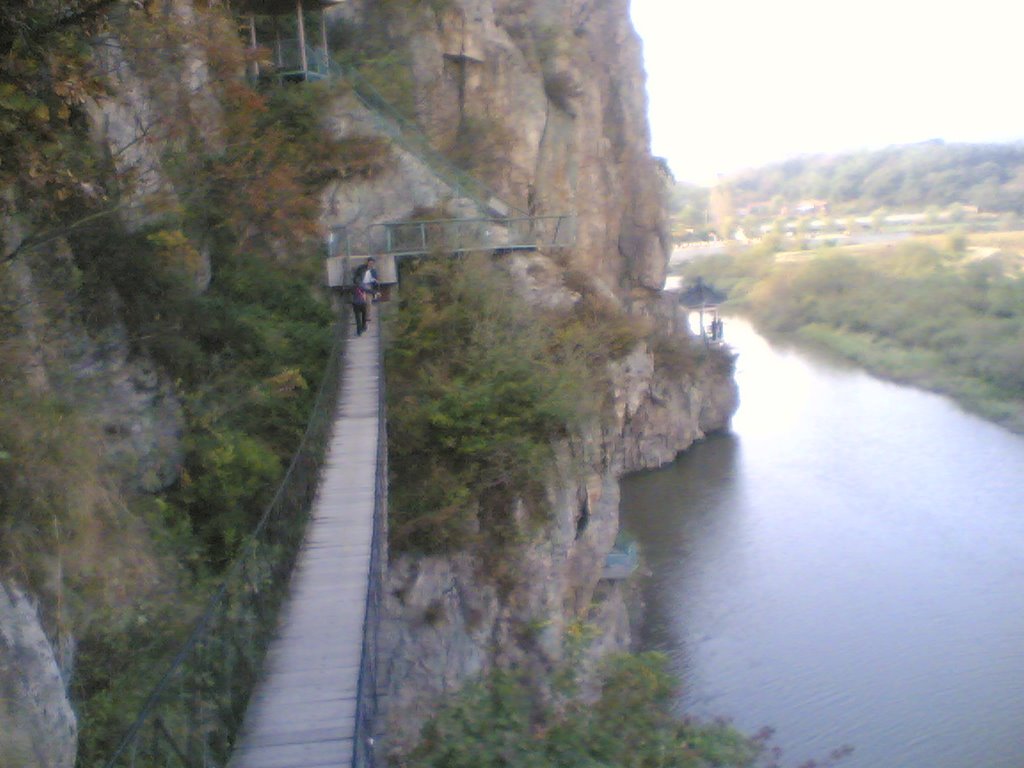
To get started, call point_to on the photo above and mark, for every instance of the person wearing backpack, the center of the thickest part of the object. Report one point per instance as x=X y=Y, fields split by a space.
x=364 y=287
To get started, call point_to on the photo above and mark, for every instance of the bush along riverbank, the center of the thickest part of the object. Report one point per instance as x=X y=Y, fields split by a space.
x=943 y=314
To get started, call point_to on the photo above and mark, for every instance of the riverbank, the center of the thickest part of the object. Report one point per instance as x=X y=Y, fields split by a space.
x=842 y=566
x=943 y=315
x=917 y=367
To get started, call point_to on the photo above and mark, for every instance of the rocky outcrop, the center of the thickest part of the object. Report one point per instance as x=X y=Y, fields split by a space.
x=131 y=402
x=38 y=728
x=449 y=619
x=544 y=100
x=661 y=415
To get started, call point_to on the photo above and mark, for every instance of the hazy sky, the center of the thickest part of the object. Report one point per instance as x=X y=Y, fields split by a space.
x=736 y=83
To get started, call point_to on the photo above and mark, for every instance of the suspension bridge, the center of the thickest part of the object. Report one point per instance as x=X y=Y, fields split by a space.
x=280 y=670
x=303 y=711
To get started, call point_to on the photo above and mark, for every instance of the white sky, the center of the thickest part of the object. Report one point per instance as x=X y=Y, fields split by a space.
x=739 y=83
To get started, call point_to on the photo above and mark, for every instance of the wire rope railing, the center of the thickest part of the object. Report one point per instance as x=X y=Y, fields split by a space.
x=363 y=754
x=192 y=715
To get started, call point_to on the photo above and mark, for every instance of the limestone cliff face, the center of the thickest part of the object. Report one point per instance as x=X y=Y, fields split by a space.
x=545 y=100
x=449 y=619
x=53 y=353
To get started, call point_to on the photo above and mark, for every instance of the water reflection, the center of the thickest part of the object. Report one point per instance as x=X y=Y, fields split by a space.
x=682 y=488
x=847 y=565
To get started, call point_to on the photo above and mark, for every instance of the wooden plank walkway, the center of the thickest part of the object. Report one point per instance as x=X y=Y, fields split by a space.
x=302 y=712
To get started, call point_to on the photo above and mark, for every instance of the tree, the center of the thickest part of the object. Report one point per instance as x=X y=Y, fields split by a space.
x=723 y=212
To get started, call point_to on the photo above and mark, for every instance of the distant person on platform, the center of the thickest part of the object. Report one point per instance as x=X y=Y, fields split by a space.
x=364 y=288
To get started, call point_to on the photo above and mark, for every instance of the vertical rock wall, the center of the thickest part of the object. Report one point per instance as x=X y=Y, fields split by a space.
x=447 y=619
x=545 y=100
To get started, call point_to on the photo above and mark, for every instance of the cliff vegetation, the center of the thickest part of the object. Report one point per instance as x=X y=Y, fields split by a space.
x=908 y=177
x=160 y=331
x=498 y=722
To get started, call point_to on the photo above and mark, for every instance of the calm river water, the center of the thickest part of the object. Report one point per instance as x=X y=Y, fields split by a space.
x=846 y=566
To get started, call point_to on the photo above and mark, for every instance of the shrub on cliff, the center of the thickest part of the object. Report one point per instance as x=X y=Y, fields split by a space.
x=479 y=385
x=498 y=722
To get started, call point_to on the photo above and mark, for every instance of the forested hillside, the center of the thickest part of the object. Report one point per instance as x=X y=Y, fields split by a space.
x=916 y=176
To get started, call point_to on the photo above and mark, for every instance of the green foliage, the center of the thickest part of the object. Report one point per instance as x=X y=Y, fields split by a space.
x=479 y=386
x=118 y=571
x=117 y=664
x=261 y=336
x=682 y=355
x=477 y=390
x=943 y=319
x=500 y=722
x=688 y=212
x=382 y=59
x=990 y=176
x=46 y=79
x=390 y=73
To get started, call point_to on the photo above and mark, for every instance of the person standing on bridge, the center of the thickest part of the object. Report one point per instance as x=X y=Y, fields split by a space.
x=364 y=287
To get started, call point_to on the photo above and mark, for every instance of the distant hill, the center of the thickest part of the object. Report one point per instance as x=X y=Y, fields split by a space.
x=914 y=176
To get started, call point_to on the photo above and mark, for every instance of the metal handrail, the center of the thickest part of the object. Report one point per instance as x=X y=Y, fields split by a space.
x=193 y=713
x=413 y=238
x=287 y=57
x=420 y=237
x=363 y=753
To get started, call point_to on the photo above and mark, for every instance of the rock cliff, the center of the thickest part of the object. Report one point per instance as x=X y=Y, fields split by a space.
x=547 y=98
x=544 y=102
x=36 y=718
x=449 y=619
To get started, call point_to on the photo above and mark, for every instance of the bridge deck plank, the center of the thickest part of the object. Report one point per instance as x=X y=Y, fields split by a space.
x=302 y=712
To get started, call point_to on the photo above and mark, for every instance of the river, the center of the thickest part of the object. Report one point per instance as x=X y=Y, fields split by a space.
x=846 y=565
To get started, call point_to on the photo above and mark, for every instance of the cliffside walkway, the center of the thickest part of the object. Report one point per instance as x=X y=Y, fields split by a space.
x=302 y=713
x=279 y=671
x=393 y=241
